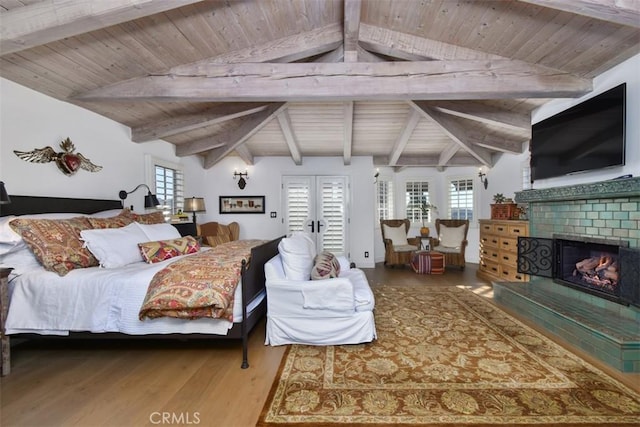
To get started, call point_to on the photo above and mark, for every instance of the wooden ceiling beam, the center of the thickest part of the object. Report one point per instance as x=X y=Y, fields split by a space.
x=347 y=144
x=425 y=161
x=484 y=113
x=245 y=154
x=413 y=48
x=446 y=155
x=430 y=80
x=456 y=130
x=623 y=12
x=185 y=123
x=229 y=138
x=290 y=137
x=47 y=21
x=351 y=29
x=496 y=142
x=401 y=142
x=252 y=125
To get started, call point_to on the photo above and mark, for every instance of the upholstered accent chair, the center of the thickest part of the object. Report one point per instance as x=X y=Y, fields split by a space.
x=213 y=233
x=451 y=240
x=398 y=248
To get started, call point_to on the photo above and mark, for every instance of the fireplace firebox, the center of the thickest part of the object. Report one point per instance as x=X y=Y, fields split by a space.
x=602 y=267
x=589 y=266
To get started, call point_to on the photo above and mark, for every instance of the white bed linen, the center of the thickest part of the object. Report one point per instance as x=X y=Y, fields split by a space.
x=98 y=300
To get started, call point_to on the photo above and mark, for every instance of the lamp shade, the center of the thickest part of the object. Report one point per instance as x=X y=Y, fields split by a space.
x=4 y=196
x=194 y=204
x=151 y=201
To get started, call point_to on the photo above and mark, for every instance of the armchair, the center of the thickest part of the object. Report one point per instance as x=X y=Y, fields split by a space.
x=452 y=240
x=398 y=248
x=329 y=311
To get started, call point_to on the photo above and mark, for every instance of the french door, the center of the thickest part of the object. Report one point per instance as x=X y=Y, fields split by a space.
x=319 y=206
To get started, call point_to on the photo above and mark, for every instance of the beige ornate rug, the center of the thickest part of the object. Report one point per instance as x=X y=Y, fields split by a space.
x=445 y=356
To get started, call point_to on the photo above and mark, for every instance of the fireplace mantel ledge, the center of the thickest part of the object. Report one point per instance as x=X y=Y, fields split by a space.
x=628 y=187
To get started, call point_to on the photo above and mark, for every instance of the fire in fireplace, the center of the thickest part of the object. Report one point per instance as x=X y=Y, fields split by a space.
x=591 y=266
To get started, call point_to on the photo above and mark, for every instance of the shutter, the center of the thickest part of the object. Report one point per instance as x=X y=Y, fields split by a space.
x=461 y=199
x=297 y=193
x=333 y=202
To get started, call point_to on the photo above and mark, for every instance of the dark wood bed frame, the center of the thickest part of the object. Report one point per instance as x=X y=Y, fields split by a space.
x=253 y=278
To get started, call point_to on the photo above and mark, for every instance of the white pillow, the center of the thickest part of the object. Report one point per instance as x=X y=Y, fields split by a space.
x=451 y=237
x=115 y=247
x=20 y=258
x=157 y=232
x=297 y=256
x=398 y=235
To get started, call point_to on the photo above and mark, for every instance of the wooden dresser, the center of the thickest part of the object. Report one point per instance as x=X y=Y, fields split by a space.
x=499 y=249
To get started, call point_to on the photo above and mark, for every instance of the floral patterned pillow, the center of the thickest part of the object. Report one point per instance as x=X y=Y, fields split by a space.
x=150 y=218
x=325 y=266
x=118 y=221
x=56 y=243
x=163 y=250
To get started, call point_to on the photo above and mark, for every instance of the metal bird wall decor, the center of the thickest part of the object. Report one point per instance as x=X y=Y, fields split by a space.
x=67 y=161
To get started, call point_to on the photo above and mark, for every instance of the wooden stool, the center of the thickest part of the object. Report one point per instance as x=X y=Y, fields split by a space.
x=425 y=262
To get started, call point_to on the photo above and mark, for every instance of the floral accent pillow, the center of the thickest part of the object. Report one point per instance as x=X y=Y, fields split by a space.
x=56 y=242
x=163 y=250
x=118 y=221
x=325 y=266
x=150 y=218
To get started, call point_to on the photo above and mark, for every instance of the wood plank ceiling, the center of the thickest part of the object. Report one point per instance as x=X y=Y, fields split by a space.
x=411 y=83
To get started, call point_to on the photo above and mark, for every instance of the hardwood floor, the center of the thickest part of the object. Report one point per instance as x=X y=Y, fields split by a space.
x=137 y=382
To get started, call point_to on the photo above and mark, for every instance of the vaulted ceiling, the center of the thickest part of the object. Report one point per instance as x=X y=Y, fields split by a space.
x=412 y=83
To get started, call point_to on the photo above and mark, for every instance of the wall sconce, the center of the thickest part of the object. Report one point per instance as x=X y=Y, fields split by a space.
x=194 y=204
x=150 y=200
x=375 y=177
x=483 y=178
x=4 y=196
x=241 y=182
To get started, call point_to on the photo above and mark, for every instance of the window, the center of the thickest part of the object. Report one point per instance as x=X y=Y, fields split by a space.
x=384 y=199
x=417 y=192
x=169 y=187
x=461 y=199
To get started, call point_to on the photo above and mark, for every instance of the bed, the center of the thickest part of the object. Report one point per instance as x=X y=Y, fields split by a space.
x=106 y=302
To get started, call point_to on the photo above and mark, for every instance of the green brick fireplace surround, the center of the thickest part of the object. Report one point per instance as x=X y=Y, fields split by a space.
x=605 y=210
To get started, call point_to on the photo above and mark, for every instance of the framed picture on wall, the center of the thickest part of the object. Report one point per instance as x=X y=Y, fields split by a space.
x=241 y=204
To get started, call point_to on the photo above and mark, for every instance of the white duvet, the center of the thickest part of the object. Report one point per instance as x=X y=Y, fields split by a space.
x=97 y=300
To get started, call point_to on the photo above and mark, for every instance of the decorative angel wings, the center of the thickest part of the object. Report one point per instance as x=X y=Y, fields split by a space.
x=67 y=161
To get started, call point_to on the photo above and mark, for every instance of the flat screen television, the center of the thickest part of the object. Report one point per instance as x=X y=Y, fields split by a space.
x=587 y=136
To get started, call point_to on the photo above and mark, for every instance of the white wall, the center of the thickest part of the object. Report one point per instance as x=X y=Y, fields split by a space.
x=265 y=180
x=31 y=120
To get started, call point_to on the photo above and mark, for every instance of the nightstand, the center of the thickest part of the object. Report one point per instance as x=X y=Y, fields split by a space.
x=5 y=348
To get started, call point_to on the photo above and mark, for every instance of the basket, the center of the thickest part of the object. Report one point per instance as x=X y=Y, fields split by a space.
x=505 y=211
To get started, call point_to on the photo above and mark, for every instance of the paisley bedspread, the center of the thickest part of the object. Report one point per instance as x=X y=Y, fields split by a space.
x=200 y=285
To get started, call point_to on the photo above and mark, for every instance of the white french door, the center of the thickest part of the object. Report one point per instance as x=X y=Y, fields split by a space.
x=319 y=206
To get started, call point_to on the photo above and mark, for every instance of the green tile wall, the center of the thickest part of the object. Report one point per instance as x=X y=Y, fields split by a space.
x=617 y=218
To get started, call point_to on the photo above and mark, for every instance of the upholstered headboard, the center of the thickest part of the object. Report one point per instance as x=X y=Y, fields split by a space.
x=23 y=205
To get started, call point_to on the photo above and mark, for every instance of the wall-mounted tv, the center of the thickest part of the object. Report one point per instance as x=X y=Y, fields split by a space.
x=587 y=136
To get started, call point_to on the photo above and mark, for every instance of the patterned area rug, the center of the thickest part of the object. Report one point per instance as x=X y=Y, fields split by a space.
x=445 y=356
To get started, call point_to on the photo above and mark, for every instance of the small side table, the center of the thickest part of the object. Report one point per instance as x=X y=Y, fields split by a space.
x=425 y=243
x=5 y=345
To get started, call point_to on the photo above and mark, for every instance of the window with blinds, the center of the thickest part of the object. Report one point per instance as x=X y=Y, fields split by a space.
x=417 y=192
x=461 y=199
x=169 y=188
x=297 y=202
x=384 y=199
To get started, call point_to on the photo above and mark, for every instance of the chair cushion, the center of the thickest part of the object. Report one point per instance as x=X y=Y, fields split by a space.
x=398 y=235
x=404 y=248
x=325 y=266
x=451 y=237
x=297 y=254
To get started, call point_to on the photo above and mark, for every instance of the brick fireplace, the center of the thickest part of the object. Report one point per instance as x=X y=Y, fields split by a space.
x=581 y=305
